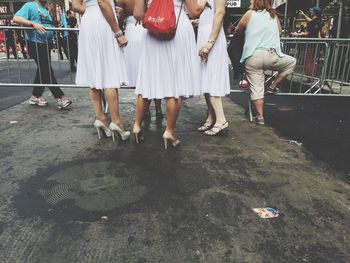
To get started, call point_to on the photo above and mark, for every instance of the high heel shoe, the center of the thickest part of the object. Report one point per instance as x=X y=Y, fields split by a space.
x=167 y=136
x=100 y=125
x=138 y=134
x=115 y=128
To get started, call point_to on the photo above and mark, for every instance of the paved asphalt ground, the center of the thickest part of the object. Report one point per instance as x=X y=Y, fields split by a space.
x=68 y=197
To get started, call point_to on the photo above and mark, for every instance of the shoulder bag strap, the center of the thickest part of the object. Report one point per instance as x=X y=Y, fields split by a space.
x=178 y=18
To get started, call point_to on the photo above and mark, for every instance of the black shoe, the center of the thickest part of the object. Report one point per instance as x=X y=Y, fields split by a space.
x=272 y=91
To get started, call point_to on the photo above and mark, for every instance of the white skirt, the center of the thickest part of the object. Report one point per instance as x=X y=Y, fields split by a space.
x=215 y=78
x=135 y=34
x=100 y=60
x=170 y=68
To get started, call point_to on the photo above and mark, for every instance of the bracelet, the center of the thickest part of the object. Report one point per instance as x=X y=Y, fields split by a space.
x=118 y=34
x=211 y=42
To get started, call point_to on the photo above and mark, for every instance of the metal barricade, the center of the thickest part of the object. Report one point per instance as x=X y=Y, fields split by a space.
x=21 y=60
x=322 y=64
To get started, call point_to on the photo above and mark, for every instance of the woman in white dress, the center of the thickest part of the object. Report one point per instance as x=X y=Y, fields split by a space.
x=168 y=68
x=101 y=65
x=212 y=47
x=135 y=33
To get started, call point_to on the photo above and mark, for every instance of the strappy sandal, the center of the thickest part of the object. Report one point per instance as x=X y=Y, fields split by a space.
x=217 y=130
x=206 y=126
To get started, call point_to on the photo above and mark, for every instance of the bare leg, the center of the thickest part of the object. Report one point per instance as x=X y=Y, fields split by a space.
x=216 y=104
x=259 y=107
x=173 y=109
x=112 y=98
x=141 y=106
x=210 y=115
x=97 y=106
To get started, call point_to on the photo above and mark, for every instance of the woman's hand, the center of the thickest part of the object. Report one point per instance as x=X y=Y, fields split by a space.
x=122 y=41
x=204 y=51
x=41 y=29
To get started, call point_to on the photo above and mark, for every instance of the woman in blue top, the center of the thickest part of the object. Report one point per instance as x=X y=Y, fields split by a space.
x=34 y=14
x=262 y=51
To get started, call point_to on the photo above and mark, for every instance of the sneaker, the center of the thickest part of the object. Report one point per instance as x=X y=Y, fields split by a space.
x=63 y=102
x=259 y=121
x=272 y=91
x=38 y=101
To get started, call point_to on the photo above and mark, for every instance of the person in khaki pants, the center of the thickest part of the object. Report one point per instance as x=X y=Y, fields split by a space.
x=262 y=51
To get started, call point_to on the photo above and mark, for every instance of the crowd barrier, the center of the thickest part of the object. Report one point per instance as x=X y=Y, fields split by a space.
x=322 y=64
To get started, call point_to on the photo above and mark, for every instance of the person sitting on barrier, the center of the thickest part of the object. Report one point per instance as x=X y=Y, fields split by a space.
x=262 y=51
x=34 y=14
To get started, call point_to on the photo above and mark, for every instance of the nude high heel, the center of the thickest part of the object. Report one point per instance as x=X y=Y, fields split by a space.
x=138 y=134
x=99 y=125
x=167 y=136
x=115 y=128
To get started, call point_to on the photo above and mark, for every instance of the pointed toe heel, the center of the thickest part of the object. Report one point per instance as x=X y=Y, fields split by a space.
x=167 y=136
x=124 y=135
x=99 y=125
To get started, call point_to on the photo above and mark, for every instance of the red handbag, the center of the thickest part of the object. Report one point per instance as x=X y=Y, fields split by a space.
x=160 y=19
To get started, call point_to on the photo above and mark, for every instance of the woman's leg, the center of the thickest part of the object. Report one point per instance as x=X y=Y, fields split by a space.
x=218 y=109
x=210 y=115
x=141 y=106
x=211 y=112
x=112 y=98
x=259 y=107
x=97 y=106
x=173 y=108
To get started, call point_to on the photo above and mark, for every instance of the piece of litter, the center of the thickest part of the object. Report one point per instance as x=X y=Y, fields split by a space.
x=295 y=142
x=268 y=212
x=198 y=253
x=13 y=122
x=104 y=217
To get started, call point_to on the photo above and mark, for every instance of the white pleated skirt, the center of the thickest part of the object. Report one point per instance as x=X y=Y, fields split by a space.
x=170 y=68
x=100 y=60
x=135 y=34
x=215 y=72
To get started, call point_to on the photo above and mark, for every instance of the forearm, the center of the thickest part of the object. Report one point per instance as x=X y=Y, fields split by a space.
x=109 y=15
x=308 y=19
x=139 y=9
x=78 y=6
x=22 y=21
x=217 y=25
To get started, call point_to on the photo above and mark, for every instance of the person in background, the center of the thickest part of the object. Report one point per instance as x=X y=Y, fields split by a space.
x=22 y=42
x=72 y=41
x=10 y=41
x=34 y=14
x=262 y=51
x=313 y=30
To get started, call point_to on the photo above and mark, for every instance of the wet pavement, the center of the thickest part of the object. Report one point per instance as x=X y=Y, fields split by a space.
x=68 y=197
